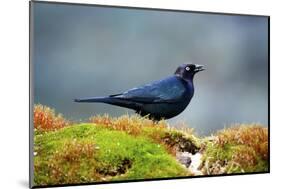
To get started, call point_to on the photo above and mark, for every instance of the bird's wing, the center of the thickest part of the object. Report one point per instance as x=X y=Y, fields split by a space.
x=168 y=90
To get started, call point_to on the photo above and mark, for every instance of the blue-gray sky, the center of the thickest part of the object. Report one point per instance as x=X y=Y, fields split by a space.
x=81 y=51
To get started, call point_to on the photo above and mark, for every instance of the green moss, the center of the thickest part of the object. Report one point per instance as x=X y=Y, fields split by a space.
x=232 y=158
x=127 y=148
x=88 y=153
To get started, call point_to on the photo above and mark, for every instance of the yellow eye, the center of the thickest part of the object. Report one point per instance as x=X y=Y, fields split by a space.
x=187 y=68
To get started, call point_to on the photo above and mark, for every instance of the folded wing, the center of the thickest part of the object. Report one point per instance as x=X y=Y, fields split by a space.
x=168 y=90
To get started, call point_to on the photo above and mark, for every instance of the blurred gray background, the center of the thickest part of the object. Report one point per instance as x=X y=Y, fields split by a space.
x=82 y=51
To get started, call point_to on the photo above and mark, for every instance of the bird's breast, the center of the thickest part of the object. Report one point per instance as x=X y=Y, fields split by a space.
x=165 y=110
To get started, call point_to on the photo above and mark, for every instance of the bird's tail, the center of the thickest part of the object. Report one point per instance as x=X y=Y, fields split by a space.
x=111 y=100
x=94 y=99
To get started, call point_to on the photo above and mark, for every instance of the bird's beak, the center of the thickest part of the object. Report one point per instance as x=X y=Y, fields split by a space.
x=199 y=68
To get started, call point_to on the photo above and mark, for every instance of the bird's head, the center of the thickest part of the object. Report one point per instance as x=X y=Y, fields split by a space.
x=187 y=71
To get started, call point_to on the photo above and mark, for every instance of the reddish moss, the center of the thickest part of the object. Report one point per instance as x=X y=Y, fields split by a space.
x=45 y=119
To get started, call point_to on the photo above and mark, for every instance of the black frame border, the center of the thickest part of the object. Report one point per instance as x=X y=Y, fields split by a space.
x=31 y=173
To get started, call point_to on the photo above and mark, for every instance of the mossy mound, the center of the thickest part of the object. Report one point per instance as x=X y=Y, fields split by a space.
x=90 y=153
x=238 y=149
x=133 y=147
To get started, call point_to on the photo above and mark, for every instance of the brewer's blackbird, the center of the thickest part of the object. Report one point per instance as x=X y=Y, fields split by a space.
x=162 y=99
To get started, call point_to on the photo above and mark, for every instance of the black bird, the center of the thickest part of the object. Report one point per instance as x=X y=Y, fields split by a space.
x=162 y=99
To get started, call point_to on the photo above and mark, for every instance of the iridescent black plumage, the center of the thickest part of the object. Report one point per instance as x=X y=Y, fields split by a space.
x=162 y=99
